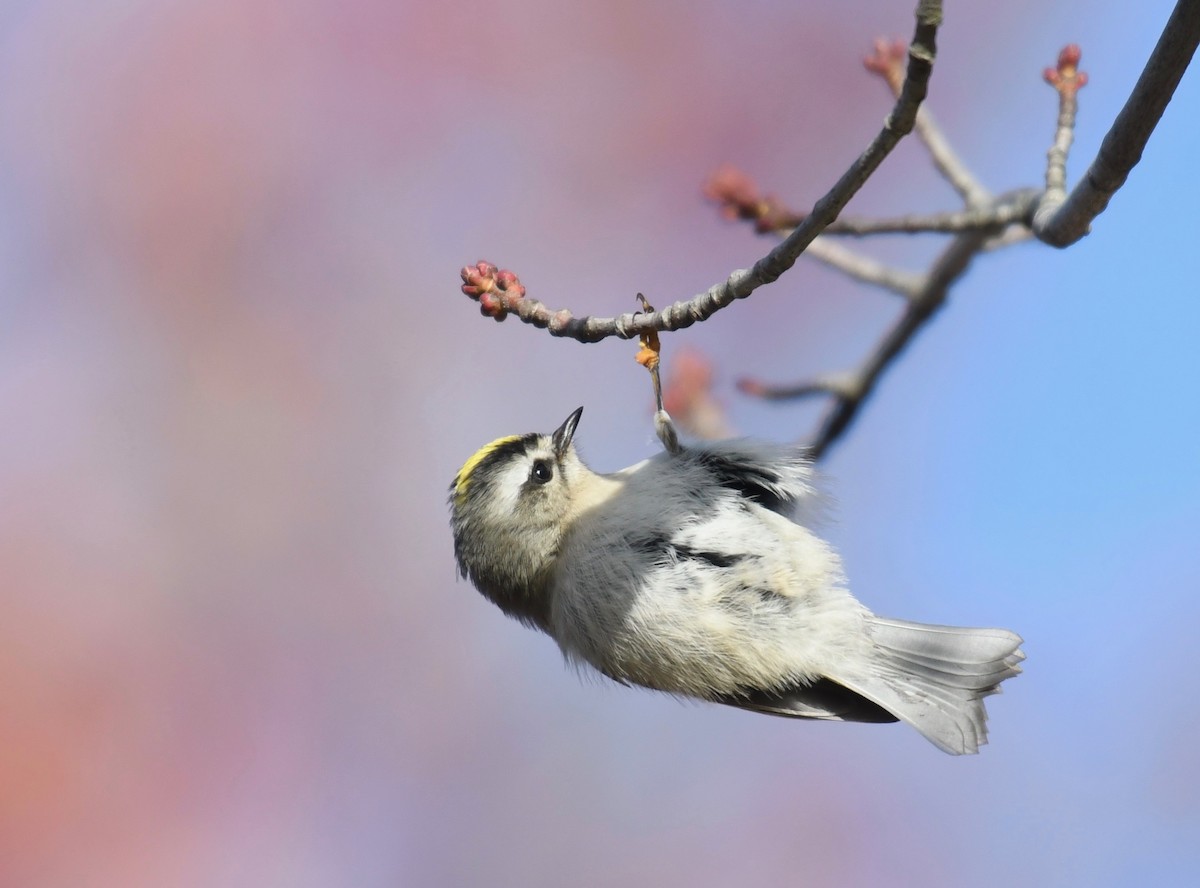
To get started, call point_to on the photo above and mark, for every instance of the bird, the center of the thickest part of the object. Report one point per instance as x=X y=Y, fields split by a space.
x=696 y=572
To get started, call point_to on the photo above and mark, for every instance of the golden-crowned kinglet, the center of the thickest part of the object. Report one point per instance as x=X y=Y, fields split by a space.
x=689 y=573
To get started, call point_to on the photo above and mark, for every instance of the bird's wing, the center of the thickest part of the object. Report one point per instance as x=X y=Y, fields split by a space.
x=823 y=699
x=776 y=477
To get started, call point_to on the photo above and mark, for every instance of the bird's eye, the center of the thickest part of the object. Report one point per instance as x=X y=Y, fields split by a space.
x=541 y=472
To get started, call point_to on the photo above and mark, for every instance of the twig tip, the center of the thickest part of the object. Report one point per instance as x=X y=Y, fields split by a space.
x=497 y=292
x=1065 y=76
x=887 y=60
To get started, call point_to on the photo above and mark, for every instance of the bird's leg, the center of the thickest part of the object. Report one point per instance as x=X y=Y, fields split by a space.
x=649 y=356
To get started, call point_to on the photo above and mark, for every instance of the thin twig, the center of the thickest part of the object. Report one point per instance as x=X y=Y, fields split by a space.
x=947 y=162
x=1067 y=80
x=980 y=216
x=1061 y=222
x=864 y=268
x=886 y=62
x=1014 y=234
x=840 y=385
x=496 y=300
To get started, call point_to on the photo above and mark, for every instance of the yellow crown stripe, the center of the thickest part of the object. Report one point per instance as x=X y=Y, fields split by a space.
x=463 y=479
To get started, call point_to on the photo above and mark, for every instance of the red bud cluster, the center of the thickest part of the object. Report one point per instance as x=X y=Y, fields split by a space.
x=497 y=292
x=1066 y=76
x=737 y=197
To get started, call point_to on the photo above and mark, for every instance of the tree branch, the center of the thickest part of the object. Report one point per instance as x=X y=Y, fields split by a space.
x=1060 y=220
x=925 y=294
x=984 y=223
x=498 y=299
x=864 y=268
x=987 y=214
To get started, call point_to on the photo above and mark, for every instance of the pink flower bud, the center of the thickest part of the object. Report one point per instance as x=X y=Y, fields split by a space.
x=491 y=305
x=1070 y=56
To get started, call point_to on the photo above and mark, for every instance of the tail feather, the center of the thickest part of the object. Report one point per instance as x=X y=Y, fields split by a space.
x=935 y=677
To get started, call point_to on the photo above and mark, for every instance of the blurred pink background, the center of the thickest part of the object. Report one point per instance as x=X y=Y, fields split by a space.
x=237 y=376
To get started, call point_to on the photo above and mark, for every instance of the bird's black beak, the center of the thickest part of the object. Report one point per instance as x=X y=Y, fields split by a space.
x=565 y=432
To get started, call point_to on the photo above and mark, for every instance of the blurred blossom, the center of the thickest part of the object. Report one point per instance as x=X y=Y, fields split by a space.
x=688 y=396
x=237 y=375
